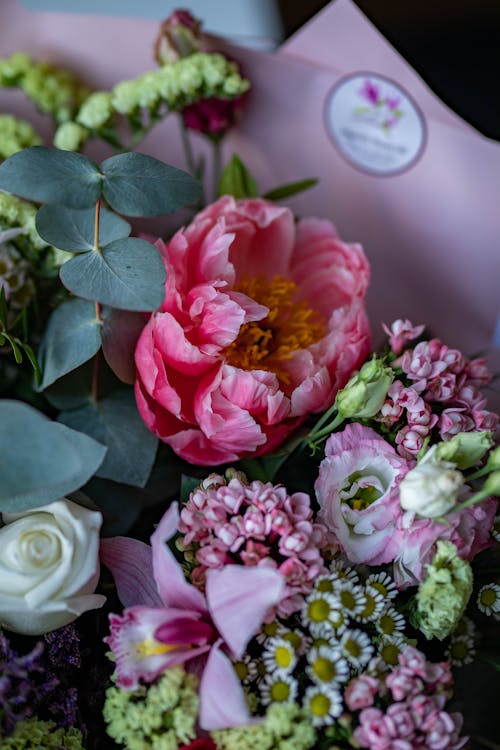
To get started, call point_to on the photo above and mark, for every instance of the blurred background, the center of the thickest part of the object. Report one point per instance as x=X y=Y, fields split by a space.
x=454 y=45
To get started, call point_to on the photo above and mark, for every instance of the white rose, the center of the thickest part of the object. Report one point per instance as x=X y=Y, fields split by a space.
x=432 y=487
x=49 y=566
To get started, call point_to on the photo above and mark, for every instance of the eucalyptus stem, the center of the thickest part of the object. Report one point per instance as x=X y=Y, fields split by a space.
x=217 y=165
x=188 y=150
x=96 y=225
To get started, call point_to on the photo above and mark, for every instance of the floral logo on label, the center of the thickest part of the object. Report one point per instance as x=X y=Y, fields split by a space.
x=382 y=111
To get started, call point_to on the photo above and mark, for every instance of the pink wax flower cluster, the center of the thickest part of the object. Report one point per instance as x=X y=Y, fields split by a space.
x=256 y=524
x=438 y=393
x=263 y=321
x=415 y=718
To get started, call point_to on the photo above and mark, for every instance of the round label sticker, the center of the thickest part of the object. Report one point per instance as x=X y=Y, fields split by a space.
x=375 y=124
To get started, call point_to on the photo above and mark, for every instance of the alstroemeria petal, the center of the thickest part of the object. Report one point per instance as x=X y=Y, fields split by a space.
x=130 y=562
x=174 y=590
x=238 y=599
x=222 y=700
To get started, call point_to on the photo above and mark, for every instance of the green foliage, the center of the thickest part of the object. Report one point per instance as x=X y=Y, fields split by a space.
x=40 y=460
x=128 y=274
x=52 y=176
x=20 y=348
x=73 y=230
x=72 y=337
x=138 y=185
x=289 y=189
x=115 y=422
x=120 y=331
x=237 y=181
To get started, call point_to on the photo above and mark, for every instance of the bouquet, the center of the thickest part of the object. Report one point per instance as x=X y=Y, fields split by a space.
x=226 y=522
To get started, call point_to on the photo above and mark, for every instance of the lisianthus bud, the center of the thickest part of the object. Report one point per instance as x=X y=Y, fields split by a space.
x=365 y=392
x=444 y=593
x=465 y=449
x=494 y=459
x=492 y=484
x=431 y=488
x=179 y=36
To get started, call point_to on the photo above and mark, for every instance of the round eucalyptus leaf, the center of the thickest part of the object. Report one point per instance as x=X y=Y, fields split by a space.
x=47 y=175
x=128 y=274
x=73 y=230
x=41 y=460
x=116 y=423
x=71 y=337
x=139 y=185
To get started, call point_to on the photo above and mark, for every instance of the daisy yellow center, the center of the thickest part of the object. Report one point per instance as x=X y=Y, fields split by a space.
x=459 y=650
x=241 y=670
x=387 y=624
x=320 y=705
x=324 y=669
x=348 y=600
x=353 y=648
x=283 y=657
x=325 y=586
x=293 y=638
x=289 y=326
x=488 y=597
x=389 y=653
x=280 y=692
x=319 y=610
x=369 y=607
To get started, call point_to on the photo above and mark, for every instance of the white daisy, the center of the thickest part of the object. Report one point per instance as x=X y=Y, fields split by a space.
x=357 y=647
x=461 y=650
x=351 y=597
x=342 y=570
x=383 y=583
x=488 y=600
x=320 y=610
x=374 y=605
x=327 y=665
x=279 y=656
x=323 y=704
x=246 y=669
x=268 y=631
x=278 y=688
x=295 y=637
x=465 y=626
x=390 y=622
x=389 y=648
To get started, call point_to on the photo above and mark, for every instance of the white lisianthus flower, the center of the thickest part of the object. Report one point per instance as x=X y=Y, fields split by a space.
x=431 y=489
x=49 y=566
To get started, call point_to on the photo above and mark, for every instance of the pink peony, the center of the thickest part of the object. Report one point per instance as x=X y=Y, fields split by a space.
x=357 y=490
x=262 y=323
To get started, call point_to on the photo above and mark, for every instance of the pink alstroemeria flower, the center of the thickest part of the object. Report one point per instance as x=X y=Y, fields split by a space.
x=177 y=623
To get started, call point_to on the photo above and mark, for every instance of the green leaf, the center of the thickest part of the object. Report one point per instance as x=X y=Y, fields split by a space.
x=128 y=274
x=73 y=230
x=72 y=390
x=138 y=185
x=237 y=181
x=34 y=362
x=120 y=331
x=120 y=505
x=50 y=175
x=40 y=460
x=72 y=337
x=188 y=485
x=3 y=307
x=291 y=188
x=116 y=423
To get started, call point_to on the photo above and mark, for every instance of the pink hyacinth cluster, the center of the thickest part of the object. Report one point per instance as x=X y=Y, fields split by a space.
x=255 y=524
x=443 y=393
x=416 y=718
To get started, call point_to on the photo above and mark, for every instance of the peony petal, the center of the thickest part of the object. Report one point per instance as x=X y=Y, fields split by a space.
x=176 y=350
x=222 y=700
x=313 y=394
x=174 y=590
x=131 y=563
x=238 y=599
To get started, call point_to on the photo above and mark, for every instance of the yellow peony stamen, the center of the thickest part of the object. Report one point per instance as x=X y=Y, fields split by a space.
x=289 y=326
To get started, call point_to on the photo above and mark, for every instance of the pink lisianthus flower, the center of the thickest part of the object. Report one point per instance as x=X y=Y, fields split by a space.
x=357 y=490
x=262 y=323
x=175 y=623
x=468 y=529
x=361 y=691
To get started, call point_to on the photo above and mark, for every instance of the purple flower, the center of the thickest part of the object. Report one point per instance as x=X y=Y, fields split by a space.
x=370 y=91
